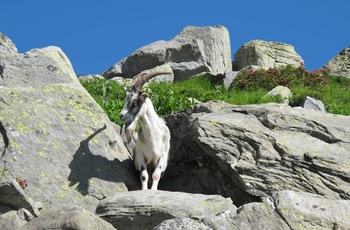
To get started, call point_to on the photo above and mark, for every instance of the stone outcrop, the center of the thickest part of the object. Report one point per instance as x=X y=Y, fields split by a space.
x=340 y=64
x=294 y=210
x=265 y=55
x=68 y=217
x=146 y=209
x=282 y=92
x=54 y=135
x=193 y=51
x=312 y=103
x=248 y=152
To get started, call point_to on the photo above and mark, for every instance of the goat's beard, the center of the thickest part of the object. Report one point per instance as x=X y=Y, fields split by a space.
x=129 y=130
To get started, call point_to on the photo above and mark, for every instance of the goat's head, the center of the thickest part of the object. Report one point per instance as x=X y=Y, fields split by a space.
x=133 y=107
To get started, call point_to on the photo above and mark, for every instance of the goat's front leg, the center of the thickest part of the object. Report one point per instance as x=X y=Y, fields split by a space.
x=160 y=167
x=140 y=165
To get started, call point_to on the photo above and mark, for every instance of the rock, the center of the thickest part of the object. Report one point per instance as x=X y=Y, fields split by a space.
x=55 y=136
x=12 y=195
x=310 y=211
x=294 y=210
x=70 y=217
x=181 y=223
x=7 y=224
x=265 y=55
x=145 y=209
x=340 y=64
x=247 y=152
x=162 y=77
x=193 y=51
x=312 y=103
x=6 y=45
x=90 y=77
x=229 y=77
x=258 y=216
x=281 y=91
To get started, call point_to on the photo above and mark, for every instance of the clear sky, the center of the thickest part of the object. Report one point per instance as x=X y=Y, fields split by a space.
x=97 y=34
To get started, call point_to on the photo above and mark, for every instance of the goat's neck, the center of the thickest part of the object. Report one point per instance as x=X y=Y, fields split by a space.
x=150 y=119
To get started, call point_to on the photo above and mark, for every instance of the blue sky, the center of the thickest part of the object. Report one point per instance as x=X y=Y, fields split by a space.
x=97 y=34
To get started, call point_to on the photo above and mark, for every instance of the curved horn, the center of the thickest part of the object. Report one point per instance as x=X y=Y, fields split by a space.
x=142 y=78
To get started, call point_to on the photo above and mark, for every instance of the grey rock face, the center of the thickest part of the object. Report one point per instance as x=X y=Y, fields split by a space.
x=247 y=152
x=265 y=55
x=6 y=45
x=70 y=217
x=11 y=194
x=55 y=136
x=194 y=50
x=310 y=211
x=181 y=223
x=340 y=64
x=281 y=91
x=147 y=208
x=312 y=103
x=294 y=210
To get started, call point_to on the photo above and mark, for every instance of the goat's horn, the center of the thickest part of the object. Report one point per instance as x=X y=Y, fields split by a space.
x=142 y=78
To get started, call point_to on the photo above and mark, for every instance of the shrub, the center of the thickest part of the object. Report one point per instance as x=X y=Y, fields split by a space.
x=288 y=76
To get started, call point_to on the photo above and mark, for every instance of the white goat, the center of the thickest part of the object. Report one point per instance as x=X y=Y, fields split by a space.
x=153 y=142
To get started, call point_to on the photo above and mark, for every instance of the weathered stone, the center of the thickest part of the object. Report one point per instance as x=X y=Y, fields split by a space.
x=12 y=195
x=310 y=211
x=12 y=218
x=312 y=103
x=281 y=91
x=181 y=223
x=265 y=55
x=340 y=64
x=90 y=77
x=246 y=152
x=229 y=77
x=7 y=223
x=37 y=68
x=147 y=208
x=217 y=48
x=55 y=136
x=193 y=51
x=162 y=77
x=258 y=216
x=70 y=217
x=6 y=45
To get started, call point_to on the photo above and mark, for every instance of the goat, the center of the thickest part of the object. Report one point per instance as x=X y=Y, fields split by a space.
x=153 y=142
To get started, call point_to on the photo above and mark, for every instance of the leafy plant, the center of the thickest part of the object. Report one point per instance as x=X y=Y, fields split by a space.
x=108 y=94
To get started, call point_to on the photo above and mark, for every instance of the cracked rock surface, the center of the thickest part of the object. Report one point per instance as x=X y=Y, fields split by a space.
x=247 y=152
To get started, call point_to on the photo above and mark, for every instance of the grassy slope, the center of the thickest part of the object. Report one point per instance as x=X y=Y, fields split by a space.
x=168 y=98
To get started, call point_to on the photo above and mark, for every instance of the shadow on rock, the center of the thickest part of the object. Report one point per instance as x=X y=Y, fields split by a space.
x=86 y=164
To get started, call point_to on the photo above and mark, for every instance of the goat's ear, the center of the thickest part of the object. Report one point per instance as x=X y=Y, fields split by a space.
x=143 y=97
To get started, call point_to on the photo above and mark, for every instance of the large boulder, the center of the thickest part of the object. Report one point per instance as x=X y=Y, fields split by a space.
x=147 y=208
x=193 y=51
x=265 y=55
x=249 y=151
x=340 y=64
x=54 y=135
x=68 y=217
x=294 y=210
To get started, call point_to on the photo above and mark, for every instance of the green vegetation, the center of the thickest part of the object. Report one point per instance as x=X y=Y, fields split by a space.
x=248 y=88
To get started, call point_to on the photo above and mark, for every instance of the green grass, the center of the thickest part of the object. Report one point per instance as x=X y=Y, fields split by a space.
x=168 y=98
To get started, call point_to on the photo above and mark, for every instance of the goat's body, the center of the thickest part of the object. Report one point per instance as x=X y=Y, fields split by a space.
x=153 y=142
x=152 y=146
